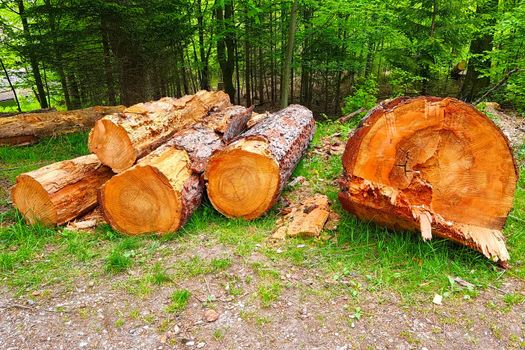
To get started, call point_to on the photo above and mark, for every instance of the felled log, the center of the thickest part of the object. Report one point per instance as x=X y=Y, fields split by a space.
x=59 y=192
x=246 y=178
x=434 y=165
x=159 y=193
x=120 y=139
x=28 y=128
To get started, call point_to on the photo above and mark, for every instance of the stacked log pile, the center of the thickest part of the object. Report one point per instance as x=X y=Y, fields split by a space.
x=159 y=151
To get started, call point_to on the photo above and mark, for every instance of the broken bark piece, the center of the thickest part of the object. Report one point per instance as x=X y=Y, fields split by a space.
x=88 y=221
x=159 y=193
x=436 y=165
x=307 y=219
x=256 y=118
x=120 y=139
x=60 y=192
x=28 y=128
x=246 y=178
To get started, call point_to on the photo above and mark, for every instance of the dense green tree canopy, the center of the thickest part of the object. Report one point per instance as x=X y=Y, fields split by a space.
x=344 y=53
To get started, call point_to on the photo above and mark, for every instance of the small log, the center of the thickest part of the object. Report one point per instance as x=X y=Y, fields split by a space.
x=120 y=139
x=159 y=193
x=434 y=165
x=60 y=192
x=28 y=128
x=246 y=178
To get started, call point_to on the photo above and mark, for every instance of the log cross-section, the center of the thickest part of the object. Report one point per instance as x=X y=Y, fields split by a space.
x=434 y=165
x=159 y=193
x=246 y=178
x=59 y=192
x=120 y=139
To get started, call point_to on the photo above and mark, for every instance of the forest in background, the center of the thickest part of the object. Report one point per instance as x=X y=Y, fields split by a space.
x=333 y=56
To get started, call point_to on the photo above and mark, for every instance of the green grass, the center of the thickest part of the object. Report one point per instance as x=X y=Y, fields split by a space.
x=373 y=256
x=179 y=301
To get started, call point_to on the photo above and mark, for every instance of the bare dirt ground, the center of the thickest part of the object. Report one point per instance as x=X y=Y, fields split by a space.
x=313 y=312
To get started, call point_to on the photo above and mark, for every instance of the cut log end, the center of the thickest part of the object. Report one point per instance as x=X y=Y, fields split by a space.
x=433 y=165
x=33 y=201
x=144 y=200
x=243 y=180
x=105 y=138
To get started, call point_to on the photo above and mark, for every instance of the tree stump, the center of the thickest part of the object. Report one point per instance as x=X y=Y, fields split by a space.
x=59 y=192
x=159 y=194
x=120 y=139
x=28 y=128
x=434 y=165
x=246 y=178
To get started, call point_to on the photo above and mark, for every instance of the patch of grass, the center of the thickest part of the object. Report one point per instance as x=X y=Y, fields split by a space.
x=179 y=300
x=218 y=265
x=119 y=322
x=117 y=262
x=268 y=293
x=159 y=275
x=219 y=334
x=512 y=299
x=52 y=149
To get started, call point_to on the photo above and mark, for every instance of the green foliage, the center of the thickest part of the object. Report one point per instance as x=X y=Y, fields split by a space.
x=364 y=97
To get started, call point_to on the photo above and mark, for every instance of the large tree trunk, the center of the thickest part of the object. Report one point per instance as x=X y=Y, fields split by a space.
x=58 y=193
x=434 y=165
x=28 y=128
x=226 y=47
x=246 y=178
x=120 y=139
x=287 y=67
x=475 y=82
x=35 y=69
x=161 y=192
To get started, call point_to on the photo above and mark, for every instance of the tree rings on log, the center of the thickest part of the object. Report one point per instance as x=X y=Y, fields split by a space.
x=434 y=165
x=58 y=193
x=159 y=193
x=246 y=178
x=122 y=138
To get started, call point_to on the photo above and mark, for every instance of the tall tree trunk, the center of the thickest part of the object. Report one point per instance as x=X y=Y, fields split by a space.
x=474 y=81
x=203 y=66
x=226 y=47
x=247 y=60
x=74 y=93
x=11 y=85
x=108 y=69
x=425 y=67
x=57 y=54
x=285 y=86
x=41 y=94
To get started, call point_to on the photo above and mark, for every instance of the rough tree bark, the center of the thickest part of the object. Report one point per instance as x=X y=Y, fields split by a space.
x=246 y=178
x=120 y=139
x=161 y=192
x=435 y=165
x=58 y=193
x=28 y=128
